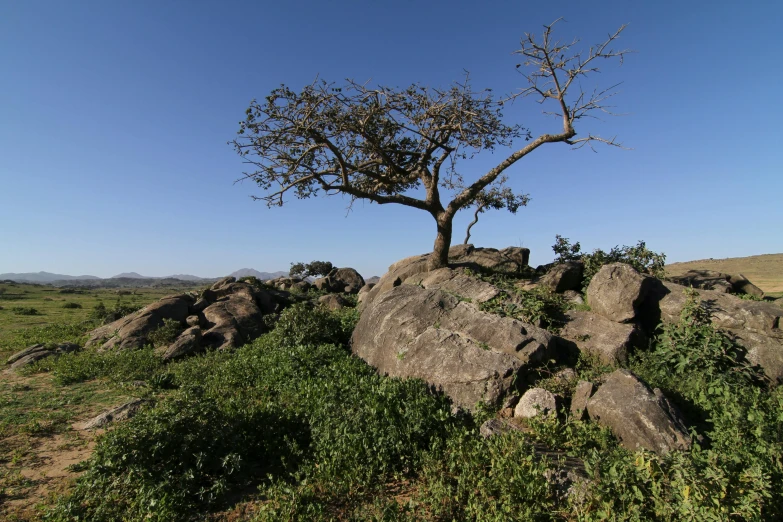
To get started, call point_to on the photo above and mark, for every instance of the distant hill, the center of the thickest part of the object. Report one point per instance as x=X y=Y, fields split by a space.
x=130 y=275
x=43 y=277
x=764 y=271
x=245 y=272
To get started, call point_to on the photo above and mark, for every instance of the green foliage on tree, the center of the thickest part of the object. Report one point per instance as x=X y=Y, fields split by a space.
x=313 y=268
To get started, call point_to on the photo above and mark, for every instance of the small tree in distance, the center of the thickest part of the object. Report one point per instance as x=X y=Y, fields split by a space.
x=314 y=268
x=382 y=143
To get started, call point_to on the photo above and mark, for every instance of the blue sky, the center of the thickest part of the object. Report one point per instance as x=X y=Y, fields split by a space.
x=114 y=118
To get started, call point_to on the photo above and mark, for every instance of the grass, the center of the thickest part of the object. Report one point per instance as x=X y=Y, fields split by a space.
x=53 y=320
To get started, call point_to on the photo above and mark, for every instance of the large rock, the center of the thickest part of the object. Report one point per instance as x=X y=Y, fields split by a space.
x=536 y=401
x=597 y=335
x=717 y=281
x=345 y=280
x=232 y=322
x=564 y=276
x=456 y=282
x=132 y=331
x=37 y=352
x=638 y=416
x=229 y=313
x=616 y=291
x=754 y=325
x=333 y=301
x=187 y=343
x=118 y=413
x=427 y=333
x=508 y=260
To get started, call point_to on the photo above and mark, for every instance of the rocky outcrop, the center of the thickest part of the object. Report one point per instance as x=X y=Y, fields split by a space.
x=638 y=416
x=118 y=413
x=611 y=342
x=188 y=342
x=473 y=356
x=584 y=390
x=564 y=276
x=717 y=281
x=456 y=282
x=37 y=352
x=228 y=314
x=508 y=260
x=132 y=331
x=339 y=280
x=617 y=291
x=754 y=325
x=333 y=301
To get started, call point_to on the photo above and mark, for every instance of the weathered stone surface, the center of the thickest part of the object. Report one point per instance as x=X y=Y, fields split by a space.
x=584 y=390
x=726 y=311
x=534 y=402
x=347 y=279
x=597 y=335
x=718 y=282
x=333 y=301
x=638 y=416
x=616 y=291
x=456 y=282
x=572 y=296
x=188 y=342
x=232 y=322
x=132 y=330
x=741 y=285
x=520 y=255
x=465 y=256
x=471 y=355
x=118 y=413
x=192 y=320
x=564 y=276
x=37 y=352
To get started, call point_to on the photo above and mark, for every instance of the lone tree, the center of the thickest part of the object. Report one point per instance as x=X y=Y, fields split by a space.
x=386 y=144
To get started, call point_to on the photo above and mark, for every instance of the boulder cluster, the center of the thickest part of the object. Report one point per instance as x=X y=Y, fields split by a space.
x=431 y=325
x=437 y=325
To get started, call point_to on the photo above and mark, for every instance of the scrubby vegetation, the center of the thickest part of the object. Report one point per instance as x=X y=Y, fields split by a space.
x=640 y=257
x=300 y=429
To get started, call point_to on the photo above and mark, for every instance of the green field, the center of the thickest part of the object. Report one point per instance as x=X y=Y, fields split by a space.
x=50 y=306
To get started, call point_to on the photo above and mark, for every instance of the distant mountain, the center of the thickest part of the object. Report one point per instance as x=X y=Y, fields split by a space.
x=245 y=272
x=131 y=275
x=42 y=277
x=188 y=277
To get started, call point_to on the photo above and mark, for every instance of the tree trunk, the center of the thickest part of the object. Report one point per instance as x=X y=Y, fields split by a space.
x=440 y=253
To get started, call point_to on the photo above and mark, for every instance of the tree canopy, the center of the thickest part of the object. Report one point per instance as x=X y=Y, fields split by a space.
x=382 y=143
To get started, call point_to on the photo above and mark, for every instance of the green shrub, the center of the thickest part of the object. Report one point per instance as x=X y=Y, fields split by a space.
x=71 y=305
x=103 y=315
x=640 y=257
x=173 y=460
x=166 y=333
x=116 y=366
x=25 y=310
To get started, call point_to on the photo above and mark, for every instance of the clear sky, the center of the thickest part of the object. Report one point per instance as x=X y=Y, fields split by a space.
x=114 y=118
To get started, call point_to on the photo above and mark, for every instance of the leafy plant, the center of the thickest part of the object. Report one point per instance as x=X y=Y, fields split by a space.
x=71 y=305
x=313 y=268
x=23 y=310
x=639 y=256
x=166 y=333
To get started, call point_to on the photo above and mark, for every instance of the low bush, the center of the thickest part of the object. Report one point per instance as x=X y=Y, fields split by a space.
x=71 y=305
x=117 y=366
x=103 y=315
x=166 y=333
x=25 y=310
x=640 y=257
